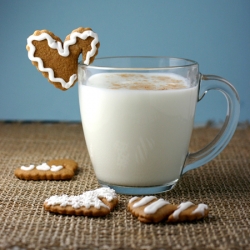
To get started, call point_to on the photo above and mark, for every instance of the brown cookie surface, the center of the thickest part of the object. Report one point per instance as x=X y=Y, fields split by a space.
x=58 y=61
x=99 y=202
x=59 y=169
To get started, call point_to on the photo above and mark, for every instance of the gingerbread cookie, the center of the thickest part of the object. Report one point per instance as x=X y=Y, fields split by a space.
x=62 y=169
x=149 y=209
x=99 y=202
x=58 y=61
x=187 y=211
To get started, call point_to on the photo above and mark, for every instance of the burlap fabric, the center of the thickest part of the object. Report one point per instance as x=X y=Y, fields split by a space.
x=223 y=184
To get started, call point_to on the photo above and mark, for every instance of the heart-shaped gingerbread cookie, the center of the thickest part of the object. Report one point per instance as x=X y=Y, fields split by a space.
x=58 y=61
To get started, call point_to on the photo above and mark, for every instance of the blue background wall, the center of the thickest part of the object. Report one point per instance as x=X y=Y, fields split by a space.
x=216 y=33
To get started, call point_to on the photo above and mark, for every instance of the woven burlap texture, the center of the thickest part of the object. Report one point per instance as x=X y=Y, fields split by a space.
x=223 y=184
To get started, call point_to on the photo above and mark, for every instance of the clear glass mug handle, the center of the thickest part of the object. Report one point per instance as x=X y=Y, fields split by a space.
x=206 y=154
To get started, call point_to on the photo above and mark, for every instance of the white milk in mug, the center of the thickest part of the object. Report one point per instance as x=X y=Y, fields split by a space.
x=137 y=126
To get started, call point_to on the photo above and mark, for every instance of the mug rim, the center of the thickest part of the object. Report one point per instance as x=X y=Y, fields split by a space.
x=189 y=63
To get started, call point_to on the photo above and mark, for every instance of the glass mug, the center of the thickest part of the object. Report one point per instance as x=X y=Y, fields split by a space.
x=137 y=116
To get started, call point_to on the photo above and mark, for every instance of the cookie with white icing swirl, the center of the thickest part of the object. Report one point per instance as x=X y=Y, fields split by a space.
x=58 y=61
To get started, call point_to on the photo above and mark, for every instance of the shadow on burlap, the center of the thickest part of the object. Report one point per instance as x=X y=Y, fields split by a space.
x=223 y=184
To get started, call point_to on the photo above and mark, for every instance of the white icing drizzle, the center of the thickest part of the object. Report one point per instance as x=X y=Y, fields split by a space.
x=87 y=199
x=55 y=168
x=63 y=50
x=28 y=168
x=133 y=199
x=183 y=206
x=145 y=200
x=153 y=207
x=200 y=209
x=43 y=167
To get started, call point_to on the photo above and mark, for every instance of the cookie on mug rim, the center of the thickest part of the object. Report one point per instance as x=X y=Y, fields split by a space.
x=58 y=61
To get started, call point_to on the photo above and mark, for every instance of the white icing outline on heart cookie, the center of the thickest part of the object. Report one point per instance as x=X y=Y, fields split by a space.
x=63 y=51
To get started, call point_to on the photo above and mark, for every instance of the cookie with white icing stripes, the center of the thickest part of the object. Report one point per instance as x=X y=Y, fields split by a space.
x=61 y=169
x=187 y=211
x=58 y=61
x=149 y=209
x=99 y=202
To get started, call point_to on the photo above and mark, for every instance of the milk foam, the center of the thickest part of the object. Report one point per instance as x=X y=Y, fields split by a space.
x=137 y=81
